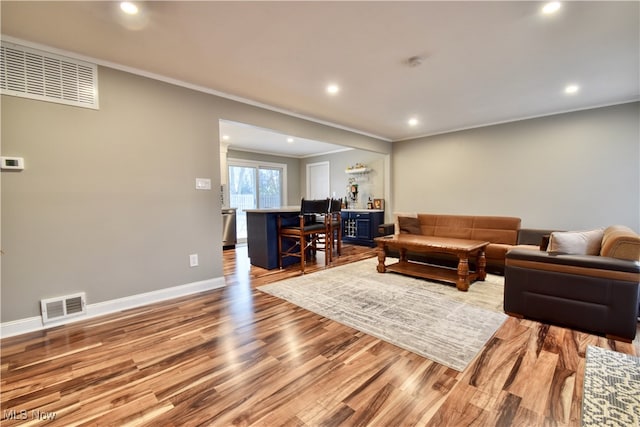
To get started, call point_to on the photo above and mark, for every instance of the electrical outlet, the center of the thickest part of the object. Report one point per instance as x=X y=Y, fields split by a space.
x=193 y=260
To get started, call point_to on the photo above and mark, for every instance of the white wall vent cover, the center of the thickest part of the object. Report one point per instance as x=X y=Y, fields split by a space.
x=56 y=309
x=45 y=76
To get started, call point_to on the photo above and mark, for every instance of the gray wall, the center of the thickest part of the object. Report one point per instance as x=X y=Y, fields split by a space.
x=107 y=201
x=369 y=185
x=569 y=171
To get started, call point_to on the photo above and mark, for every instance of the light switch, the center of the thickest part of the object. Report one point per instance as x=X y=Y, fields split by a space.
x=203 y=184
x=11 y=163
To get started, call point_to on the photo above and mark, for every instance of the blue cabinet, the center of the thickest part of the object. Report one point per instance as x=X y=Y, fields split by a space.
x=361 y=227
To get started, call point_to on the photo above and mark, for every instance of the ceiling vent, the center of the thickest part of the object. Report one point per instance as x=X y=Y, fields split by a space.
x=44 y=76
x=56 y=309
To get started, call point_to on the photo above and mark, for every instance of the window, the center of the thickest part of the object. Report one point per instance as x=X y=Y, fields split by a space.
x=254 y=185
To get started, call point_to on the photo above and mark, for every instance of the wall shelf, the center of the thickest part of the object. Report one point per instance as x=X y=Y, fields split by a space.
x=358 y=170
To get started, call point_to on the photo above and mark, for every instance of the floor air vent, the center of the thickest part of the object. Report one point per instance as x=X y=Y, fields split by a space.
x=36 y=74
x=56 y=309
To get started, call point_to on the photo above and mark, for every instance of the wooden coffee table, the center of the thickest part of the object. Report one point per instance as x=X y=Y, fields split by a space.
x=462 y=248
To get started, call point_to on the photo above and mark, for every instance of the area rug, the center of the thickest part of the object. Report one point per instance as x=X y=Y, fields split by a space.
x=611 y=394
x=434 y=320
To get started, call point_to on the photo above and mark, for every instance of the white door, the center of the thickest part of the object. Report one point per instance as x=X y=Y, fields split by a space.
x=318 y=180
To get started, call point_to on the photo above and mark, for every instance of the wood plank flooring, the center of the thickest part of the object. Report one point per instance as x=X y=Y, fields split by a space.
x=236 y=356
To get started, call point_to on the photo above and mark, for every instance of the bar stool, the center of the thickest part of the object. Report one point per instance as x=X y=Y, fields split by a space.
x=335 y=227
x=304 y=234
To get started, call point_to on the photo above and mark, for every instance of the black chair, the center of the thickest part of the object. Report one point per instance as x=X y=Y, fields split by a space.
x=301 y=238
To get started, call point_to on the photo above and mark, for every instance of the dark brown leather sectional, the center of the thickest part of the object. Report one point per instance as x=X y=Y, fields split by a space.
x=594 y=293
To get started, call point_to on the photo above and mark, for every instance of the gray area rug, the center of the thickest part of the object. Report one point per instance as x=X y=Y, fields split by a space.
x=611 y=394
x=434 y=320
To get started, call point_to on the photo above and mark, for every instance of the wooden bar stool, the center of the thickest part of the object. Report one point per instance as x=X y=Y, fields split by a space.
x=304 y=235
x=335 y=227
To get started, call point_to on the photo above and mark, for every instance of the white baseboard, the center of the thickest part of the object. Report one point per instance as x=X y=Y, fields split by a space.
x=31 y=324
x=21 y=326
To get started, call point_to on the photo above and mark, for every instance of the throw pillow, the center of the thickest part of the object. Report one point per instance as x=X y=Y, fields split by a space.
x=576 y=242
x=396 y=215
x=409 y=225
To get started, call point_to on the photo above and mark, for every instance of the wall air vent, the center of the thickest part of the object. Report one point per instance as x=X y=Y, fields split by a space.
x=56 y=309
x=36 y=74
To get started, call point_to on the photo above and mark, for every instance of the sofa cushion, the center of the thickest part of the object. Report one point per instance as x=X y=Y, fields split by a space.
x=409 y=225
x=535 y=236
x=496 y=229
x=497 y=251
x=427 y=223
x=456 y=226
x=620 y=242
x=506 y=237
x=576 y=242
x=396 y=215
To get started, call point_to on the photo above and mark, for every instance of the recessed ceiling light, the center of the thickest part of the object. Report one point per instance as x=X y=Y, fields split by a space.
x=413 y=121
x=551 y=7
x=225 y=137
x=128 y=8
x=290 y=140
x=333 y=89
x=571 y=89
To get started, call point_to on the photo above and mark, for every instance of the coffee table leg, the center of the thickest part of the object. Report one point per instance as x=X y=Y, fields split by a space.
x=482 y=264
x=381 y=257
x=463 y=273
x=403 y=254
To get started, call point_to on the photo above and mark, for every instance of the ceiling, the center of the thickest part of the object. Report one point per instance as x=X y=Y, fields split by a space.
x=244 y=137
x=482 y=62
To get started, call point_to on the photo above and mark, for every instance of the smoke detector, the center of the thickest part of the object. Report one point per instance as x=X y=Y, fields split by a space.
x=414 y=61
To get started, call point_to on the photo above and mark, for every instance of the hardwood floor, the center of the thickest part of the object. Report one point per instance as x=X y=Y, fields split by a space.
x=236 y=356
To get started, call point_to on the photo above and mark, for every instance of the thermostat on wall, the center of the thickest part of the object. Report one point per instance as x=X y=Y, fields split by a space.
x=11 y=163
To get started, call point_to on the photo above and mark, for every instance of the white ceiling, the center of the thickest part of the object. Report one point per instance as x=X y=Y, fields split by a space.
x=255 y=139
x=484 y=62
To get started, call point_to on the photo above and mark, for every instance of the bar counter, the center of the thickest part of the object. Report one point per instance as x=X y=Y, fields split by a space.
x=262 y=235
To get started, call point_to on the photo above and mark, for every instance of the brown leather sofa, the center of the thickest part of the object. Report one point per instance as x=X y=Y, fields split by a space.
x=595 y=293
x=500 y=231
